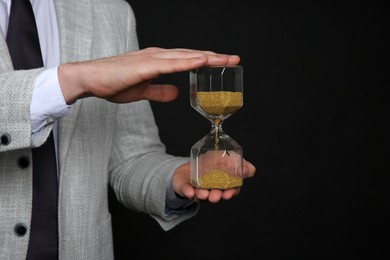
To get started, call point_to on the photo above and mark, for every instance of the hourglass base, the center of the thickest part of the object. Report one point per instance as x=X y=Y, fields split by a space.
x=216 y=162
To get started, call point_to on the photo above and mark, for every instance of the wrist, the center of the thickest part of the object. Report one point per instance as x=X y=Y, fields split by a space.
x=71 y=80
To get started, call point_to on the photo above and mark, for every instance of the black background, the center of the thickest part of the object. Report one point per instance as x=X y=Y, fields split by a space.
x=314 y=123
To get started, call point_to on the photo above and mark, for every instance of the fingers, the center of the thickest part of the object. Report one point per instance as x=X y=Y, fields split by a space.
x=181 y=52
x=197 y=58
x=153 y=92
x=249 y=169
x=160 y=93
x=214 y=195
x=233 y=60
x=173 y=65
x=203 y=195
x=211 y=58
x=181 y=63
x=188 y=191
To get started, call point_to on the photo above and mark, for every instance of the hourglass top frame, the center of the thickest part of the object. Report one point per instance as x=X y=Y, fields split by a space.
x=216 y=92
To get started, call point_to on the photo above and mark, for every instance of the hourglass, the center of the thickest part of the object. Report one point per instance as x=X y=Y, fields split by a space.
x=216 y=161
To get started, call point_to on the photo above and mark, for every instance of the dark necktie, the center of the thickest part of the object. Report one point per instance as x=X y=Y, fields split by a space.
x=23 y=43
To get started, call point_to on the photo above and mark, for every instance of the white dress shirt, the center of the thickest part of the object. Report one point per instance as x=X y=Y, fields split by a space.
x=47 y=101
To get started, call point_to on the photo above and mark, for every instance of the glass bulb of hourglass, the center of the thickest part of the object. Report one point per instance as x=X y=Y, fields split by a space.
x=216 y=159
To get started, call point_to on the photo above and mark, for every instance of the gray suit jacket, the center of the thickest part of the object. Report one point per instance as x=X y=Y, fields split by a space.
x=100 y=143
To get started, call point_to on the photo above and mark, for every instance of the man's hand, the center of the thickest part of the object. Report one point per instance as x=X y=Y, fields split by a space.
x=127 y=77
x=181 y=185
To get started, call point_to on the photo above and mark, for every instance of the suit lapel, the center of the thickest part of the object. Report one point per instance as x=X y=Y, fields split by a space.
x=74 y=22
x=6 y=63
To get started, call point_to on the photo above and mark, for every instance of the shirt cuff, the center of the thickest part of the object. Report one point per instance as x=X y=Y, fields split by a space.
x=47 y=103
x=174 y=204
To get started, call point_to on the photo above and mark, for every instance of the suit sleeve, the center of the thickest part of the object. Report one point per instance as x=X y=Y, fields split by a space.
x=16 y=92
x=139 y=165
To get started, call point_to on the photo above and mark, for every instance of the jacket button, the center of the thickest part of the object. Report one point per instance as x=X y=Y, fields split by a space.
x=5 y=139
x=20 y=229
x=23 y=162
